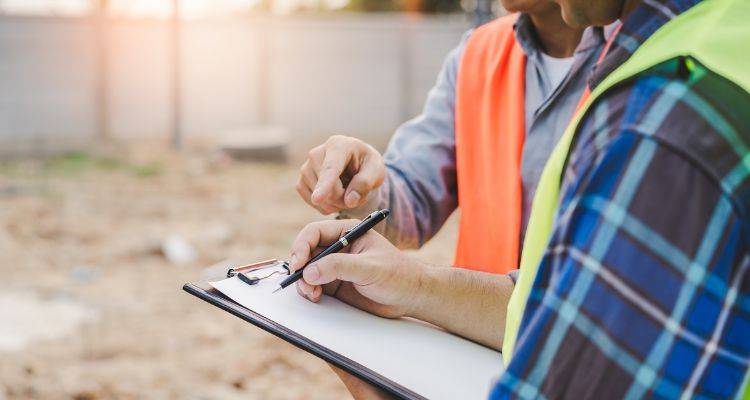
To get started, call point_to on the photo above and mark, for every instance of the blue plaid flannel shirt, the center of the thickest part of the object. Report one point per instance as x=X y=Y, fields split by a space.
x=644 y=290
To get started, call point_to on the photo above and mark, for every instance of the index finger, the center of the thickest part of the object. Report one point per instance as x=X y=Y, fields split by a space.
x=330 y=173
x=317 y=234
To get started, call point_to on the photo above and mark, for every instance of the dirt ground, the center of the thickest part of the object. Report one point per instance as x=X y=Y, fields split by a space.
x=90 y=307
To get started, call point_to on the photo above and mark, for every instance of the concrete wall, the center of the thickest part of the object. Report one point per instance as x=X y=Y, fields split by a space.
x=46 y=83
x=316 y=75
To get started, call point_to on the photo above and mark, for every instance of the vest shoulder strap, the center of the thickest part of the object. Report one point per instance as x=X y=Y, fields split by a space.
x=491 y=37
x=486 y=49
x=490 y=129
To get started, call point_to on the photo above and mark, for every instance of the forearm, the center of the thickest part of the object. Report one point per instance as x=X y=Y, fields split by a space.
x=468 y=303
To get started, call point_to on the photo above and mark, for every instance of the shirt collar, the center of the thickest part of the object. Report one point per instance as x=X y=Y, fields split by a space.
x=647 y=18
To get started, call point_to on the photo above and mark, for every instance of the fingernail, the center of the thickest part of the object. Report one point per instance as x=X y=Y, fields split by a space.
x=352 y=198
x=294 y=260
x=312 y=274
x=316 y=194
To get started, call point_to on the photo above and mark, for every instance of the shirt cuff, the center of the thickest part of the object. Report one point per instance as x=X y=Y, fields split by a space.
x=513 y=275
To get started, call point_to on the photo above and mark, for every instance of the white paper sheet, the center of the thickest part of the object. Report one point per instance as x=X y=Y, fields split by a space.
x=420 y=357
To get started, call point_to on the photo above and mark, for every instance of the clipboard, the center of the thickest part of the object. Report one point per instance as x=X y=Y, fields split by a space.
x=406 y=358
x=215 y=298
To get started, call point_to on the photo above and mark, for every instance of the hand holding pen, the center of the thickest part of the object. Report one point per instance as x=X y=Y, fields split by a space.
x=350 y=236
x=371 y=274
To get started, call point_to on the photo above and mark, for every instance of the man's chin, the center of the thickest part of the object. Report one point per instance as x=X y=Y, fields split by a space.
x=573 y=19
x=514 y=6
x=579 y=19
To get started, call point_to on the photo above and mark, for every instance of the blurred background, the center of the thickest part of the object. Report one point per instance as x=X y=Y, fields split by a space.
x=142 y=141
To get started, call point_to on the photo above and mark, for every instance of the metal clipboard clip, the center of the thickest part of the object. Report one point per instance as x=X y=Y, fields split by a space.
x=254 y=273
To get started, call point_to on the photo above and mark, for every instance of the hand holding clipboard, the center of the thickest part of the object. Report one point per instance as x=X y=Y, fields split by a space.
x=403 y=356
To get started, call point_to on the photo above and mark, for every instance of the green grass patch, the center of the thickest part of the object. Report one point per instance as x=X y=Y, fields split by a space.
x=147 y=170
x=75 y=164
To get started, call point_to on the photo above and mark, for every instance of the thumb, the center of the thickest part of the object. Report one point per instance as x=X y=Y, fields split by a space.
x=338 y=266
x=330 y=173
x=369 y=177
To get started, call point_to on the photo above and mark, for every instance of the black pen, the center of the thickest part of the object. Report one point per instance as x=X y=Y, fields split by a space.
x=350 y=236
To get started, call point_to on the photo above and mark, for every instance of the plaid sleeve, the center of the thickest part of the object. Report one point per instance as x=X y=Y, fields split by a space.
x=644 y=289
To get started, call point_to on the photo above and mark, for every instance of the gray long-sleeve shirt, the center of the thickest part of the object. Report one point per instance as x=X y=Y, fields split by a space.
x=420 y=185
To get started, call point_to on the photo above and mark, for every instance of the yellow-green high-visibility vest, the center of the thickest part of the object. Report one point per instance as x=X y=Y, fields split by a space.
x=714 y=36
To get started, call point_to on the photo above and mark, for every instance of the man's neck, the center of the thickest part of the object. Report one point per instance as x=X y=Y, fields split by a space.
x=557 y=38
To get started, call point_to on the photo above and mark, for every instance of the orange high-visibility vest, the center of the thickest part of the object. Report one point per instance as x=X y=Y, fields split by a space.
x=490 y=130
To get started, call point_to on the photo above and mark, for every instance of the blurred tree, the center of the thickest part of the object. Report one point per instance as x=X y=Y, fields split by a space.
x=438 y=6
x=263 y=5
x=425 y=6
x=372 y=5
x=422 y=6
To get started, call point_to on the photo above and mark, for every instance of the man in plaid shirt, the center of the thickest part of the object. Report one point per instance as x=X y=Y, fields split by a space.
x=644 y=288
